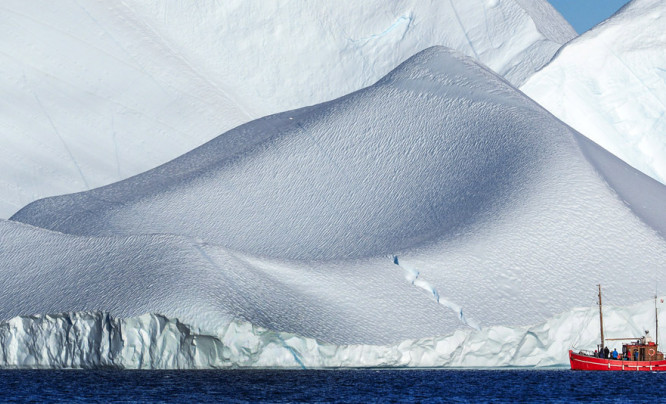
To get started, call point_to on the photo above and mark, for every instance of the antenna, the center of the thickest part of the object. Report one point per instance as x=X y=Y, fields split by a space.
x=601 y=319
x=656 y=312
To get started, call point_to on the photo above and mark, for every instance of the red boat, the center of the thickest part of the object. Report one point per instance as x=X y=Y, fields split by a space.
x=584 y=361
x=641 y=354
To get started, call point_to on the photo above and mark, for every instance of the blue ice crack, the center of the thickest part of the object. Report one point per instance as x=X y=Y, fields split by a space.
x=412 y=275
x=292 y=351
x=403 y=19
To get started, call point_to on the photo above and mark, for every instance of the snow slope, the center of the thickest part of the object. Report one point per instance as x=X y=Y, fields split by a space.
x=610 y=84
x=207 y=287
x=94 y=92
x=441 y=175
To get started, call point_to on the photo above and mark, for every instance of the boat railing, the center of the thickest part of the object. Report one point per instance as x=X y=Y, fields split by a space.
x=586 y=353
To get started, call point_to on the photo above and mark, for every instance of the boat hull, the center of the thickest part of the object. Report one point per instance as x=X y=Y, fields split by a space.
x=584 y=362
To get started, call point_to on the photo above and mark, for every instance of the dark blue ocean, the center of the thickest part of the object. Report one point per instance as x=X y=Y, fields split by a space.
x=355 y=386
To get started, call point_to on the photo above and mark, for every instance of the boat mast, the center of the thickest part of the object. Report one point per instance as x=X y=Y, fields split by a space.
x=601 y=320
x=656 y=321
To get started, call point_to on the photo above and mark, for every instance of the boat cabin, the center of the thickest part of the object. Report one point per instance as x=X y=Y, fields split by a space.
x=643 y=349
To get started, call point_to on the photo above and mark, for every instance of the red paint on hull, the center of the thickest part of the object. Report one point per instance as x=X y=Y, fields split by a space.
x=584 y=362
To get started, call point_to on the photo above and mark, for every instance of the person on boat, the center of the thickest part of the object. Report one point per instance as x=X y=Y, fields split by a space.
x=614 y=353
x=596 y=353
x=636 y=355
x=606 y=352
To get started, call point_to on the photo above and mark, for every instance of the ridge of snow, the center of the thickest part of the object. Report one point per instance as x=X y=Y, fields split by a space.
x=95 y=92
x=438 y=147
x=610 y=85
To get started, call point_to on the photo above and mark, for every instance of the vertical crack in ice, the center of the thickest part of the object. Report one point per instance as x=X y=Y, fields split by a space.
x=533 y=341
x=292 y=351
x=490 y=37
x=412 y=275
x=462 y=27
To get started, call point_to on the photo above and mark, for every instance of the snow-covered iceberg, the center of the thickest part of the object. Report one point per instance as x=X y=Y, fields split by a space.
x=438 y=199
x=610 y=84
x=207 y=286
x=94 y=92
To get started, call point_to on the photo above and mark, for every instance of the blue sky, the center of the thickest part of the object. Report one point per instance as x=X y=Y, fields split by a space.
x=584 y=14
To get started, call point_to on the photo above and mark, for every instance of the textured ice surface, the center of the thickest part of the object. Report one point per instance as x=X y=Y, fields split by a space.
x=47 y=272
x=498 y=213
x=610 y=84
x=153 y=341
x=94 y=92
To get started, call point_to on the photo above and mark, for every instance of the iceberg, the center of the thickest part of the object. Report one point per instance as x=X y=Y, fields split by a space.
x=610 y=85
x=94 y=92
x=438 y=202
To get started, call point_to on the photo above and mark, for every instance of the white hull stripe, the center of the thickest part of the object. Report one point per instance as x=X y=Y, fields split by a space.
x=618 y=366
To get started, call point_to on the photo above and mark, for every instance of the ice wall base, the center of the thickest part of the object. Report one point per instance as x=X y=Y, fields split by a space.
x=86 y=340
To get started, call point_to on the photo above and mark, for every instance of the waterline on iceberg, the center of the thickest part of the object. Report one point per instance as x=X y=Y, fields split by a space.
x=84 y=340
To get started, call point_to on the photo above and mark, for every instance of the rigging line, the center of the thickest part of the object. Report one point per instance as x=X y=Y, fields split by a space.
x=590 y=313
x=587 y=318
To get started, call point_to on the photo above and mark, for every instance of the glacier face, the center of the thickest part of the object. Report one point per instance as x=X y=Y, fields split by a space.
x=610 y=84
x=95 y=92
x=299 y=219
x=153 y=341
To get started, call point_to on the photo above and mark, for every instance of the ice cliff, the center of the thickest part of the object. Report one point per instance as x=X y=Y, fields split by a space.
x=95 y=92
x=610 y=84
x=153 y=341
